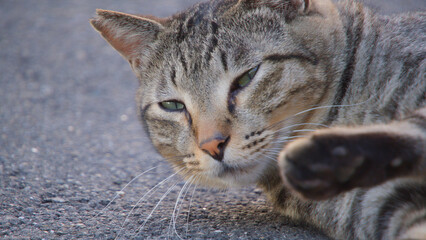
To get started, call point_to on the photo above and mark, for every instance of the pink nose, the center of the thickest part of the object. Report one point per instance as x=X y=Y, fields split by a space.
x=215 y=146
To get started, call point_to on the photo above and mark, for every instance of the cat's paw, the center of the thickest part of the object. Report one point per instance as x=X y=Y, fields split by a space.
x=330 y=162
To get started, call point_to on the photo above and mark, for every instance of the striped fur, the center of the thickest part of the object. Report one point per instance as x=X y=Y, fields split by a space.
x=356 y=78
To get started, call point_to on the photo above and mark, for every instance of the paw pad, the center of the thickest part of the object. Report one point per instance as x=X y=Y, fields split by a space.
x=339 y=152
x=397 y=162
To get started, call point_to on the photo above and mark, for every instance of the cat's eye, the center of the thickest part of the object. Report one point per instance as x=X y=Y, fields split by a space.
x=245 y=79
x=239 y=84
x=172 y=105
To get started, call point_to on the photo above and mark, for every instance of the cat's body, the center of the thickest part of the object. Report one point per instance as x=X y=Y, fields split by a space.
x=225 y=85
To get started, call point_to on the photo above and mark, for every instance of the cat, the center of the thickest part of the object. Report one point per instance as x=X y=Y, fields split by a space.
x=321 y=104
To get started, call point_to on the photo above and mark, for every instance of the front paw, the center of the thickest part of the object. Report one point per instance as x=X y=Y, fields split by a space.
x=328 y=163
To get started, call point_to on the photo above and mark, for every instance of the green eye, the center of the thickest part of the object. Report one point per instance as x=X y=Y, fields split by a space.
x=247 y=77
x=172 y=105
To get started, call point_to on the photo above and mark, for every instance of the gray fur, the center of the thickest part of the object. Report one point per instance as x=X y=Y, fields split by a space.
x=320 y=64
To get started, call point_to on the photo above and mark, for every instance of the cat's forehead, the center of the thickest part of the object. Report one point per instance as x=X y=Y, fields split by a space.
x=212 y=41
x=194 y=20
x=214 y=32
x=196 y=28
x=195 y=41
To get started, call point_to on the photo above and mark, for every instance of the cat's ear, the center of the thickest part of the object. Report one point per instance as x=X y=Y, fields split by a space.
x=130 y=35
x=290 y=8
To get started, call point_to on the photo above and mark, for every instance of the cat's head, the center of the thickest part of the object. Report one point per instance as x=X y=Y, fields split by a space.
x=221 y=84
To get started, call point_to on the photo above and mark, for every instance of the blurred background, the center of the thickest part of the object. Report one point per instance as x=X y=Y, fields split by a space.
x=70 y=140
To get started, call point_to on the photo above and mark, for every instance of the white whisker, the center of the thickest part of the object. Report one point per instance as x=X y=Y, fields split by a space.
x=273 y=150
x=303 y=124
x=175 y=215
x=267 y=156
x=305 y=130
x=118 y=193
x=184 y=196
x=286 y=139
x=316 y=108
x=147 y=194
x=189 y=210
x=155 y=207
x=275 y=153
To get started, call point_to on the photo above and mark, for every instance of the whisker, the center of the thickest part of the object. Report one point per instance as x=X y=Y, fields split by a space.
x=272 y=151
x=267 y=156
x=303 y=124
x=189 y=210
x=316 y=108
x=305 y=130
x=273 y=155
x=147 y=194
x=290 y=137
x=156 y=206
x=285 y=139
x=277 y=150
x=181 y=199
x=288 y=134
x=178 y=199
x=118 y=193
x=189 y=187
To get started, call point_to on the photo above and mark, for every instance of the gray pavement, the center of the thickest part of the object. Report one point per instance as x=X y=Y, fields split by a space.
x=69 y=139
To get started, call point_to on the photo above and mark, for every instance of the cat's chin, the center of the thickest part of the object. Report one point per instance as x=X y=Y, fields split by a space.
x=228 y=176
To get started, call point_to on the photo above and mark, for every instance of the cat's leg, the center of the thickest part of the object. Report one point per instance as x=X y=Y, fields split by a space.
x=339 y=159
x=336 y=160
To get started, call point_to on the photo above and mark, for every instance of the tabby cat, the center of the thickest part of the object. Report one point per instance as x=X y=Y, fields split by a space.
x=321 y=104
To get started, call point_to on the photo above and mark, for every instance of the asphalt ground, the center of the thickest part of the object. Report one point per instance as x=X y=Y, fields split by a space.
x=70 y=140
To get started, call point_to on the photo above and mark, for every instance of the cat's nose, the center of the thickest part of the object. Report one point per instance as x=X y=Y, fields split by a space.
x=215 y=146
